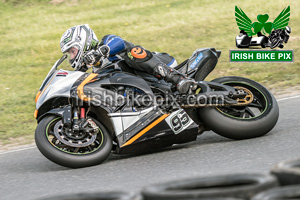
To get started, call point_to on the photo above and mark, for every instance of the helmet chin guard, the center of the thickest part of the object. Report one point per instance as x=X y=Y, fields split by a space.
x=81 y=37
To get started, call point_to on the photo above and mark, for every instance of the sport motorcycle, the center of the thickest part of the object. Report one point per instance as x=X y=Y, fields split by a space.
x=84 y=117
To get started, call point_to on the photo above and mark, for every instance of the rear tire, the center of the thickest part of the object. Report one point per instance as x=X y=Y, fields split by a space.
x=234 y=127
x=287 y=172
x=113 y=195
x=264 y=42
x=242 y=186
x=282 y=193
x=68 y=159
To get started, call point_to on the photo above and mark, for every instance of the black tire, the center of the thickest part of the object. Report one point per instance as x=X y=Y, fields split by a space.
x=67 y=159
x=227 y=186
x=287 y=172
x=236 y=44
x=216 y=198
x=264 y=42
x=288 y=192
x=235 y=127
x=274 y=43
x=113 y=195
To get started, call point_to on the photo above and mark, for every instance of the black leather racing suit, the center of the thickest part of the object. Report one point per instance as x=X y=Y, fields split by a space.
x=139 y=58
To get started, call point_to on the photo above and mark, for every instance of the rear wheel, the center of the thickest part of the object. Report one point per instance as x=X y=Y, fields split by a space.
x=69 y=150
x=243 y=122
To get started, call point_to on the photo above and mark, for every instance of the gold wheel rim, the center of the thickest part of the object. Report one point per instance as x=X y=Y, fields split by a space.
x=247 y=99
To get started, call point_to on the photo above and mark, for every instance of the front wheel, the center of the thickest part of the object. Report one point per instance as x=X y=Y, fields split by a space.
x=68 y=150
x=243 y=122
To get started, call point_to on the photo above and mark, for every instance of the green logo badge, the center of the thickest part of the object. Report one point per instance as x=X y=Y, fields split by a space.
x=261 y=34
x=269 y=34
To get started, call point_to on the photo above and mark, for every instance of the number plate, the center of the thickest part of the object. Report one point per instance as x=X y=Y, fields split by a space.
x=179 y=121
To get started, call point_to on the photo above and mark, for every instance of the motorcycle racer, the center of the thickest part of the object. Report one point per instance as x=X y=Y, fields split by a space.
x=84 y=50
x=278 y=36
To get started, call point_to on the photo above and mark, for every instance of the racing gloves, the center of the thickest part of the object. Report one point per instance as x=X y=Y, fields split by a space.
x=95 y=57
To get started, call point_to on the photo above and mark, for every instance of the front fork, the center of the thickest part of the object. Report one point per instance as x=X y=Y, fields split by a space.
x=75 y=120
x=70 y=117
x=83 y=124
x=77 y=124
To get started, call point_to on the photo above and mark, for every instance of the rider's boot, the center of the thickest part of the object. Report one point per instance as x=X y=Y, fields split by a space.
x=183 y=83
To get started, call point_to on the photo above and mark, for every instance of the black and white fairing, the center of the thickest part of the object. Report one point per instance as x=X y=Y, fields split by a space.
x=244 y=41
x=133 y=125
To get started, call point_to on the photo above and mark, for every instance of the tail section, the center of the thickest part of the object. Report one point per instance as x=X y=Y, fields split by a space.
x=200 y=64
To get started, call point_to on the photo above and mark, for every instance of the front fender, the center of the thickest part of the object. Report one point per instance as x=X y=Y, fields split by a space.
x=64 y=112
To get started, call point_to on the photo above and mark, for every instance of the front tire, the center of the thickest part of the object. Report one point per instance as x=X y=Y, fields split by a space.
x=62 y=155
x=253 y=120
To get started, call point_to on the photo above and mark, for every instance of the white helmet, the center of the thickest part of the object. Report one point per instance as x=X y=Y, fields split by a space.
x=76 y=41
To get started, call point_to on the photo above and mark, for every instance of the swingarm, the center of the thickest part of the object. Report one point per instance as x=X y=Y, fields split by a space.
x=211 y=94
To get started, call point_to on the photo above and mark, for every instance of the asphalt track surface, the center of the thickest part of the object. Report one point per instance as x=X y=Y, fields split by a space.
x=26 y=174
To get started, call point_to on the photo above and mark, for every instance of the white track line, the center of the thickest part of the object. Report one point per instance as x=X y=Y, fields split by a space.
x=12 y=151
x=287 y=98
x=17 y=150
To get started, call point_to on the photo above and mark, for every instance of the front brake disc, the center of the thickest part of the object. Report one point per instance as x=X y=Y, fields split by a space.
x=63 y=137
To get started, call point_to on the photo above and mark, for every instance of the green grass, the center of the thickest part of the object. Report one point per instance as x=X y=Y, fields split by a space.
x=30 y=33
